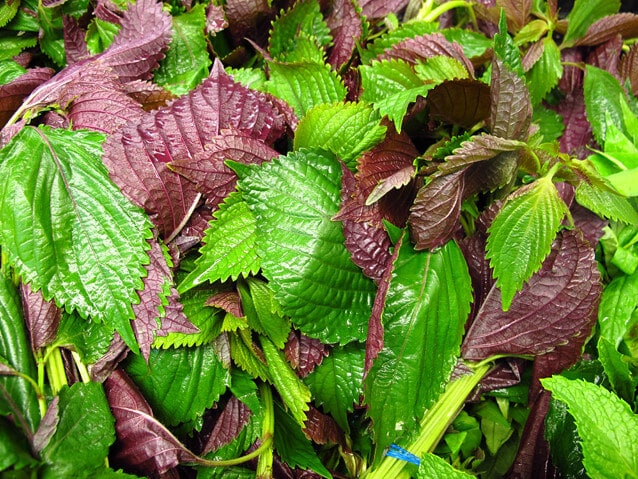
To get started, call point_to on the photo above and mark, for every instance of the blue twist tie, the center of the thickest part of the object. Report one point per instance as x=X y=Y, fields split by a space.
x=400 y=453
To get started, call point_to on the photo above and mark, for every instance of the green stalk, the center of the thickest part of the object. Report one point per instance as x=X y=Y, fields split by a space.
x=55 y=369
x=429 y=15
x=264 y=464
x=434 y=423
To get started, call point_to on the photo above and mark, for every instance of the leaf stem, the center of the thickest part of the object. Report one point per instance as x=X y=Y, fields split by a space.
x=265 y=462
x=434 y=423
x=266 y=444
x=430 y=15
x=55 y=369
x=82 y=369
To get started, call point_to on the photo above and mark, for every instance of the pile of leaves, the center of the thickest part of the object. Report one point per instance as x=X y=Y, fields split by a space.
x=313 y=238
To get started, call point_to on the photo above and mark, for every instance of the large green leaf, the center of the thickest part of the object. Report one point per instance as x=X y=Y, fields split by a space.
x=546 y=72
x=347 y=130
x=181 y=383
x=67 y=229
x=303 y=254
x=583 y=14
x=391 y=85
x=521 y=235
x=606 y=425
x=426 y=307
x=17 y=396
x=84 y=433
x=187 y=60
x=337 y=382
x=305 y=85
x=229 y=246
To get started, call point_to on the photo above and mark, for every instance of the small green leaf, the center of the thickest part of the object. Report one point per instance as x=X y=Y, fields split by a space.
x=550 y=123
x=603 y=101
x=100 y=35
x=474 y=44
x=84 y=433
x=440 y=68
x=617 y=304
x=506 y=50
x=181 y=383
x=11 y=46
x=391 y=85
x=207 y=319
x=605 y=203
x=606 y=425
x=546 y=72
x=229 y=246
x=51 y=35
x=8 y=9
x=435 y=467
x=293 y=446
x=187 y=60
x=305 y=85
x=77 y=238
x=262 y=311
x=17 y=396
x=495 y=427
x=9 y=71
x=337 y=382
x=616 y=369
x=305 y=18
x=347 y=130
x=303 y=254
x=294 y=393
x=522 y=233
x=583 y=14
x=426 y=307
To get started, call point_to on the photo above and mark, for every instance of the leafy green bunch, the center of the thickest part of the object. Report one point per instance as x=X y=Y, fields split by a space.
x=318 y=239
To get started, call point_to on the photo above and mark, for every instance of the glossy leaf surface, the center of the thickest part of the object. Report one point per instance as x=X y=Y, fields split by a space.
x=77 y=238
x=303 y=256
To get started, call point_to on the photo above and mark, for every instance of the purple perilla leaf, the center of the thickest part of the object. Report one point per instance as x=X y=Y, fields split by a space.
x=346 y=29
x=629 y=68
x=13 y=93
x=74 y=42
x=138 y=155
x=366 y=239
x=464 y=102
x=578 y=133
x=249 y=19
x=381 y=8
x=511 y=108
x=158 y=308
x=413 y=50
x=607 y=55
x=215 y=19
x=138 y=47
x=555 y=306
x=436 y=210
x=42 y=317
x=304 y=353
x=143 y=443
x=208 y=170
x=604 y=29
x=133 y=55
x=232 y=419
